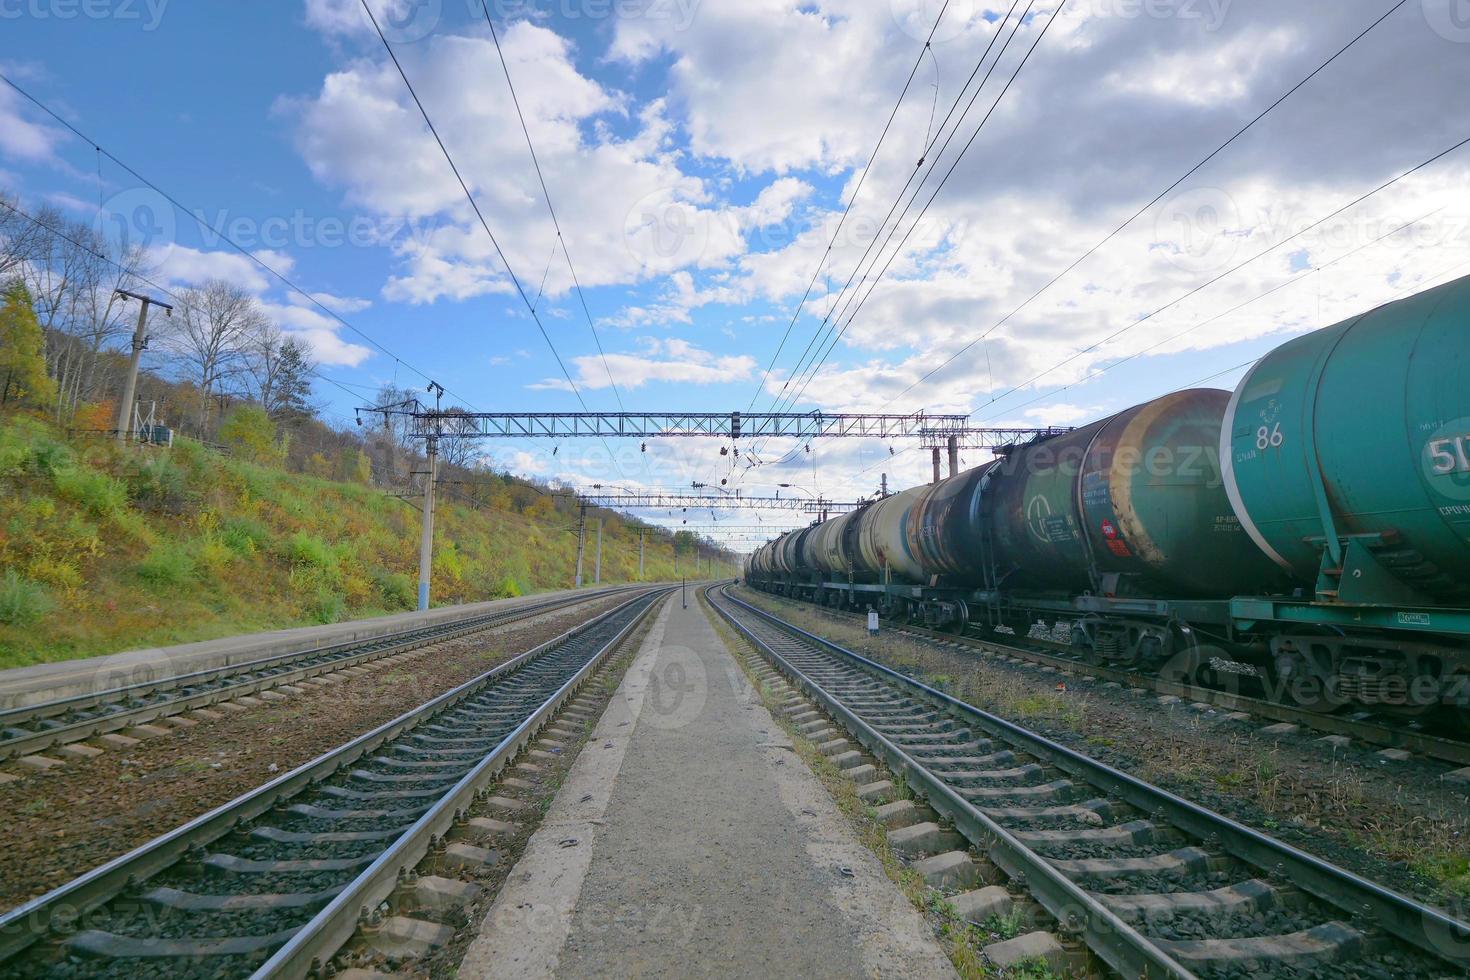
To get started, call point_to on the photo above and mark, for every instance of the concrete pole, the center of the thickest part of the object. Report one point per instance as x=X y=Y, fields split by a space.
x=597 y=567
x=954 y=456
x=426 y=539
x=936 y=464
x=130 y=383
x=640 y=556
x=581 y=542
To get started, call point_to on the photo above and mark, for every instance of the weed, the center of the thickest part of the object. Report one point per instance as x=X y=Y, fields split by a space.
x=98 y=493
x=22 y=601
x=166 y=565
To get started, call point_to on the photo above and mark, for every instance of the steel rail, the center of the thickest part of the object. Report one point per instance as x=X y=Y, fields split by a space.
x=1376 y=733
x=307 y=951
x=60 y=908
x=1420 y=925
x=323 y=659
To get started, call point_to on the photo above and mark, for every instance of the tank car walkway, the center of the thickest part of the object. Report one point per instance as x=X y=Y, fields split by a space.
x=689 y=840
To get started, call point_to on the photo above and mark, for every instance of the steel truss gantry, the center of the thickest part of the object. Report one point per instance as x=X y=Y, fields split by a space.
x=932 y=430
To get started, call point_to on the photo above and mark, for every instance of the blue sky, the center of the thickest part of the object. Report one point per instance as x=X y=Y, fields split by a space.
x=699 y=153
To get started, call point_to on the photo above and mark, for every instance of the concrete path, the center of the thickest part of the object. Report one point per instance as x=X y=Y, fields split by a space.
x=690 y=841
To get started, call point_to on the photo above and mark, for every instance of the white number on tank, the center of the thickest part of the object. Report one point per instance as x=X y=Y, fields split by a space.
x=1269 y=437
x=1449 y=455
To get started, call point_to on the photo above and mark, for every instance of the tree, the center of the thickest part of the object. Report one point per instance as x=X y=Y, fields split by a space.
x=249 y=431
x=208 y=334
x=280 y=369
x=19 y=236
x=22 y=351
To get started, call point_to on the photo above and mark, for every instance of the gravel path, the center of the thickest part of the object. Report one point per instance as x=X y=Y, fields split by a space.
x=704 y=848
x=1395 y=823
x=64 y=821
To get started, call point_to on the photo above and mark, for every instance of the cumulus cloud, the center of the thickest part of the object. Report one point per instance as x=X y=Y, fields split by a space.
x=662 y=360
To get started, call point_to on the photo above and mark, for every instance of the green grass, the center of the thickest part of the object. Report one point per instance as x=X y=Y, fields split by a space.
x=104 y=549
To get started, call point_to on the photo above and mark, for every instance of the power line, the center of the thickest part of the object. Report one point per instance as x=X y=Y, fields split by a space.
x=1000 y=28
x=838 y=335
x=433 y=131
x=173 y=201
x=1162 y=194
x=576 y=283
x=850 y=201
x=515 y=280
x=1232 y=270
x=928 y=155
x=179 y=301
x=1220 y=316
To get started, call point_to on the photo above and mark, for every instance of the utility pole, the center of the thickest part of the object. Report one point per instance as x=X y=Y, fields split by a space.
x=140 y=342
x=884 y=486
x=597 y=567
x=936 y=464
x=640 y=555
x=581 y=538
x=954 y=456
x=426 y=539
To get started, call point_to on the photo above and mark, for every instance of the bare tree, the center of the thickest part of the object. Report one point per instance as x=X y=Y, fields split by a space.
x=279 y=368
x=209 y=334
x=19 y=237
x=457 y=443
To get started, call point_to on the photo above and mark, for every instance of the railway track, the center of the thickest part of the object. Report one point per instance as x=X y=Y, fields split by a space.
x=37 y=727
x=1152 y=884
x=274 y=882
x=1370 y=729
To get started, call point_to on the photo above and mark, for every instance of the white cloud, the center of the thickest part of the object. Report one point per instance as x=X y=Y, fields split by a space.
x=669 y=361
x=20 y=137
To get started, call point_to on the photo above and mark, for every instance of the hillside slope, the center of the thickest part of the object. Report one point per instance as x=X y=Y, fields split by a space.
x=104 y=549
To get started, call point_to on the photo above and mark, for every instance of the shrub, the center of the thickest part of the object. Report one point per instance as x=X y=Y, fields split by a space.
x=396 y=589
x=166 y=565
x=160 y=483
x=327 y=606
x=251 y=434
x=305 y=549
x=22 y=601
x=508 y=588
x=244 y=535
x=99 y=493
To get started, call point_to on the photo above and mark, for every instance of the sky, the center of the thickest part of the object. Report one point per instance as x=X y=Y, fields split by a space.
x=713 y=172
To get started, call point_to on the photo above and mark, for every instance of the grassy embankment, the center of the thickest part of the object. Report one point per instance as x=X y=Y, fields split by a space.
x=104 y=549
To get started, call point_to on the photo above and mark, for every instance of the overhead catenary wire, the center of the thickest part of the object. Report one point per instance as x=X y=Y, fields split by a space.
x=780 y=402
x=475 y=206
x=837 y=335
x=546 y=193
x=1231 y=271
x=873 y=156
x=926 y=154
x=179 y=301
x=244 y=252
x=1294 y=280
x=1159 y=197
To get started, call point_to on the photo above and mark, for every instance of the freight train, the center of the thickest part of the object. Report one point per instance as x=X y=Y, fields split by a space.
x=1308 y=533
